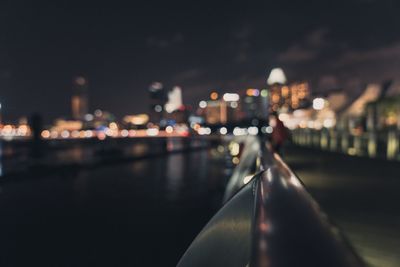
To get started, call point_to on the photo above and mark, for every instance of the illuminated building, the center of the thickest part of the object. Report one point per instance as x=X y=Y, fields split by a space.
x=180 y=115
x=136 y=120
x=221 y=111
x=352 y=117
x=10 y=132
x=383 y=111
x=276 y=76
x=158 y=99
x=174 y=100
x=79 y=100
x=255 y=104
x=66 y=125
x=289 y=97
x=216 y=112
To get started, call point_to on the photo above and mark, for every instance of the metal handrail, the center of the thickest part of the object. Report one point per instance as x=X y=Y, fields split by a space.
x=271 y=222
x=289 y=228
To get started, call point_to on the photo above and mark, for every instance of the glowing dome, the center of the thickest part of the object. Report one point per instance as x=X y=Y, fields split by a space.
x=276 y=76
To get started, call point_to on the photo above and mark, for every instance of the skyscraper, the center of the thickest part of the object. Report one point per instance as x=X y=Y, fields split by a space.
x=174 y=100
x=79 y=100
x=286 y=97
x=158 y=98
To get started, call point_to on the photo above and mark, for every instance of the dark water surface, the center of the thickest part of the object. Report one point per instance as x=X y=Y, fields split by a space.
x=142 y=213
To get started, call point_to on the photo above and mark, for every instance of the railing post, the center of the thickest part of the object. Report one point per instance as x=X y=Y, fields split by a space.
x=316 y=138
x=372 y=144
x=358 y=145
x=333 y=140
x=392 y=145
x=324 y=140
x=344 y=142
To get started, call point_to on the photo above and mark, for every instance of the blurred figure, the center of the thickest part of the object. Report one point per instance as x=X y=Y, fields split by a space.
x=279 y=133
x=36 y=125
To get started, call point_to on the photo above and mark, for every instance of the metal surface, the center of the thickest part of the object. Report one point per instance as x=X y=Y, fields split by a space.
x=289 y=229
x=247 y=166
x=287 y=226
x=226 y=239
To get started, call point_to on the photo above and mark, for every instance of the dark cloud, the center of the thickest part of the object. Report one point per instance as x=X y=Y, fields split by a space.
x=188 y=75
x=160 y=42
x=389 y=52
x=297 y=53
x=306 y=49
x=328 y=82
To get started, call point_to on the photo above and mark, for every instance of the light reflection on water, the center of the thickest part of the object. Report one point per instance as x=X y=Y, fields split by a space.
x=112 y=215
x=16 y=156
x=139 y=149
x=174 y=175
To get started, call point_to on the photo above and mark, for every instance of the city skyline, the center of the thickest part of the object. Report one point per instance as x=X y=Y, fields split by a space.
x=123 y=48
x=200 y=133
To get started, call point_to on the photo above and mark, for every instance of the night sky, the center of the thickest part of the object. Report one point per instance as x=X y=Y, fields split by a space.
x=123 y=46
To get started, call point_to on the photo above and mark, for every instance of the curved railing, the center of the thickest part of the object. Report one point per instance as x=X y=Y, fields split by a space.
x=271 y=221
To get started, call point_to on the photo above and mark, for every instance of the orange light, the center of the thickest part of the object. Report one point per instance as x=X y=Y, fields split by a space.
x=252 y=92
x=214 y=96
x=101 y=136
x=45 y=134
x=285 y=91
x=275 y=98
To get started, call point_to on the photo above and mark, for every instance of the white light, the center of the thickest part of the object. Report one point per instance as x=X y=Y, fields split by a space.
x=283 y=117
x=223 y=130
x=231 y=97
x=98 y=113
x=234 y=148
x=247 y=179
x=276 y=76
x=234 y=104
x=108 y=131
x=132 y=133
x=203 y=104
x=318 y=103
x=328 y=123
x=264 y=129
x=169 y=108
x=204 y=131
x=174 y=100
x=169 y=129
x=53 y=134
x=113 y=126
x=65 y=134
x=269 y=129
x=155 y=86
x=89 y=117
x=239 y=131
x=252 y=130
x=152 y=132
x=75 y=134
x=124 y=133
x=88 y=134
x=158 y=108
x=201 y=131
x=318 y=125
